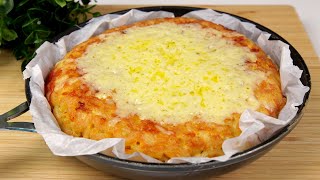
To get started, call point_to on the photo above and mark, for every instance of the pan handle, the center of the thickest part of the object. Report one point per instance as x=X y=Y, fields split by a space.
x=15 y=112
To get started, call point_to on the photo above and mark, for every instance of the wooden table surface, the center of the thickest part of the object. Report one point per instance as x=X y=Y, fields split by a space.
x=25 y=155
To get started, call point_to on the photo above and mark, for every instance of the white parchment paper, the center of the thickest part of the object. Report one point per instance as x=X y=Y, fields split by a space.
x=256 y=127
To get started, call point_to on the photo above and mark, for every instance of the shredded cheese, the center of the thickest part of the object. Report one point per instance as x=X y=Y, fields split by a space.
x=172 y=73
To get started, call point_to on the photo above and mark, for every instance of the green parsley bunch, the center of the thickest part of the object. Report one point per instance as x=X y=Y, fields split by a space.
x=26 y=24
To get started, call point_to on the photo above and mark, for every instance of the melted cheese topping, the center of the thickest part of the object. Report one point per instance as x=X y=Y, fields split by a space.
x=172 y=73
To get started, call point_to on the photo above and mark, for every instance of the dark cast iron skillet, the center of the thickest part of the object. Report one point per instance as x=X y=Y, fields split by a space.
x=140 y=170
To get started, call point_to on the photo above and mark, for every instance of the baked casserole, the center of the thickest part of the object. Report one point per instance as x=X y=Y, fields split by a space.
x=171 y=87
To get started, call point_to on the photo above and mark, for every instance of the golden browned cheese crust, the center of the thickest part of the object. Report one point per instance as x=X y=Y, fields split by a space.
x=80 y=113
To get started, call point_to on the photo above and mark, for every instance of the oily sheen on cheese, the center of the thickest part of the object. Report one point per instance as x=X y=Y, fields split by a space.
x=187 y=72
x=172 y=87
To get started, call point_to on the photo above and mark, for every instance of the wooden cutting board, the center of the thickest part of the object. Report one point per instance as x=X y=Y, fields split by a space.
x=25 y=155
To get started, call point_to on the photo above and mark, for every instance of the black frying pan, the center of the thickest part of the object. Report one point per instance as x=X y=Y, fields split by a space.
x=140 y=170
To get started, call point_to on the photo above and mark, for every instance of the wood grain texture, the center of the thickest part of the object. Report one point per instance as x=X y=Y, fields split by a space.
x=26 y=156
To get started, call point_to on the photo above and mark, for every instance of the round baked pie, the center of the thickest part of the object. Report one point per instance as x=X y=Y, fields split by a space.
x=171 y=87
